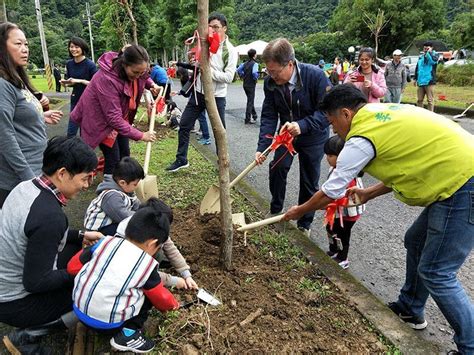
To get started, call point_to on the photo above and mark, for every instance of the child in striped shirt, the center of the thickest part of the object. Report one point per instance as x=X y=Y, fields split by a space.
x=117 y=281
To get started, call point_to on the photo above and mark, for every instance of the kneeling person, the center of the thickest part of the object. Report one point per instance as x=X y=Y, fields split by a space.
x=117 y=281
x=116 y=198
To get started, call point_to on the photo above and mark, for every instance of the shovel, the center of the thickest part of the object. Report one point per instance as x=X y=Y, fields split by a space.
x=204 y=296
x=148 y=186
x=211 y=201
x=464 y=113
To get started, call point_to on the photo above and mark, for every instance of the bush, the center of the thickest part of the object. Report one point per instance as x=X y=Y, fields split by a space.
x=456 y=75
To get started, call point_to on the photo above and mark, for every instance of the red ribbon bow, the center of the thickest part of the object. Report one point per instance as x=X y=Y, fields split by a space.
x=171 y=72
x=331 y=209
x=283 y=139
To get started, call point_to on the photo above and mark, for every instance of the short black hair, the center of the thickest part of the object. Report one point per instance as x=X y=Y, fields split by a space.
x=128 y=169
x=333 y=145
x=428 y=44
x=160 y=207
x=70 y=153
x=251 y=53
x=219 y=17
x=80 y=43
x=146 y=224
x=342 y=96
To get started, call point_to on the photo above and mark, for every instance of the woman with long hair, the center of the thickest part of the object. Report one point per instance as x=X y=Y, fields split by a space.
x=367 y=77
x=108 y=106
x=79 y=72
x=22 y=120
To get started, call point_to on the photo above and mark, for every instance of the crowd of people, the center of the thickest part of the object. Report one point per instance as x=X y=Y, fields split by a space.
x=107 y=276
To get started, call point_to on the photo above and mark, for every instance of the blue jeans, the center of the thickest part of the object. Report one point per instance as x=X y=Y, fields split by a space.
x=203 y=125
x=191 y=113
x=437 y=244
x=393 y=95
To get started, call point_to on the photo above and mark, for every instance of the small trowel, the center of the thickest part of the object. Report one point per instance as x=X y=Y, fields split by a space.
x=203 y=296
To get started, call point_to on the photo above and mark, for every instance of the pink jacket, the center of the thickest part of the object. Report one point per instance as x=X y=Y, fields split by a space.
x=104 y=104
x=378 y=88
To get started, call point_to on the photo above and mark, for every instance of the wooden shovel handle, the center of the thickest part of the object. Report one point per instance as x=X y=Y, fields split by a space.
x=261 y=223
x=247 y=169
x=146 y=164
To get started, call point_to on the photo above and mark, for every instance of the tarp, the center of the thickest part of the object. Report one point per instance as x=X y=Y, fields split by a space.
x=258 y=45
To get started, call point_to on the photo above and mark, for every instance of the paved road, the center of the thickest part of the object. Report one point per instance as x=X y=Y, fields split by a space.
x=377 y=254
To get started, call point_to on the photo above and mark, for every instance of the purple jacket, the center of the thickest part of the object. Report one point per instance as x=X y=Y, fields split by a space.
x=104 y=104
x=378 y=88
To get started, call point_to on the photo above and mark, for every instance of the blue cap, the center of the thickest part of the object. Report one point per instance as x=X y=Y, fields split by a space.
x=322 y=62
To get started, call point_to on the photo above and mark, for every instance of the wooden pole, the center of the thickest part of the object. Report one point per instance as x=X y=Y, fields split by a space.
x=221 y=138
x=3 y=11
x=47 y=67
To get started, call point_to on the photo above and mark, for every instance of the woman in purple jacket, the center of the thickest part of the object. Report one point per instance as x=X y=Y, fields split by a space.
x=108 y=106
x=367 y=77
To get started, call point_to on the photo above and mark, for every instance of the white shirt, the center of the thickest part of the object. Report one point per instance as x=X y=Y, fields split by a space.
x=355 y=155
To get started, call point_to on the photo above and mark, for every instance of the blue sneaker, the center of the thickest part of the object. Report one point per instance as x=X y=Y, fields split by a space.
x=204 y=141
x=177 y=165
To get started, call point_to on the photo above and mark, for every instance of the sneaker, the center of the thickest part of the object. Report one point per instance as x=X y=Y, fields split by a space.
x=306 y=232
x=416 y=322
x=342 y=263
x=177 y=165
x=251 y=121
x=132 y=340
x=332 y=254
x=204 y=141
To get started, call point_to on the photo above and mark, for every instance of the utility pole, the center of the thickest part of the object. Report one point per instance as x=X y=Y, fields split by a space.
x=47 y=67
x=88 y=12
x=3 y=11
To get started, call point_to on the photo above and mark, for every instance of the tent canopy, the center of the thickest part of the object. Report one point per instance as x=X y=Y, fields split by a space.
x=258 y=45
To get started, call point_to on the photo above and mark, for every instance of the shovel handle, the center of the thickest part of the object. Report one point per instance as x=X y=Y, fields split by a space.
x=146 y=164
x=261 y=223
x=248 y=169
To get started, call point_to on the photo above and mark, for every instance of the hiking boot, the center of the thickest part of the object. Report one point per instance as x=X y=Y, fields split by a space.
x=177 y=165
x=204 y=141
x=416 y=322
x=306 y=231
x=132 y=340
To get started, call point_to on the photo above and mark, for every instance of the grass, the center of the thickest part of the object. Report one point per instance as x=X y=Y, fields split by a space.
x=314 y=286
x=456 y=96
x=40 y=83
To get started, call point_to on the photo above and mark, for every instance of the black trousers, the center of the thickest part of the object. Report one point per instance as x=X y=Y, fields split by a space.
x=3 y=196
x=310 y=166
x=344 y=234
x=250 y=110
x=189 y=117
x=112 y=156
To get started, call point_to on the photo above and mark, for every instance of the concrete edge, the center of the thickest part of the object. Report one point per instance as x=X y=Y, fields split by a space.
x=453 y=111
x=372 y=308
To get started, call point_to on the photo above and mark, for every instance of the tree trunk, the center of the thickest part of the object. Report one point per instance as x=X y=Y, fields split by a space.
x=3 y=11
x=126 y=4
x=221 y=139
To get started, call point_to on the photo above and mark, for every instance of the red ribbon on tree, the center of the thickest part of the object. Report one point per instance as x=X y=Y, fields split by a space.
x=332 y=208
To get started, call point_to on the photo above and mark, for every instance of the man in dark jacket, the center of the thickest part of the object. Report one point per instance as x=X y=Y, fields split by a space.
x=293 y=91
x=248 y=71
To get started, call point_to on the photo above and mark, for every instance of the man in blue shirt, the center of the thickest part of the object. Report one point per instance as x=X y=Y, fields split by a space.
x=248 y=71
x=425 y=75
x=160 y=77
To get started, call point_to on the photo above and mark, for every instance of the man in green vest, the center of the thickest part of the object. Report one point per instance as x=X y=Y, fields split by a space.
x=426 y=160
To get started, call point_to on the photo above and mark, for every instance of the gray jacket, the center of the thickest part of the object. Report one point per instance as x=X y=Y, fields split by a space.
x=22 y=135
x=395 y=75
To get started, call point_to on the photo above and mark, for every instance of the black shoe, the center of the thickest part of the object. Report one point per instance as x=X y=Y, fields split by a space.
x=19 y=342
x=132 y=340
x=415 y=322
x=177 y=165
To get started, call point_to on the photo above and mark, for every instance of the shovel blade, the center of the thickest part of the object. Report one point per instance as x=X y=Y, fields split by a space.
x=238 y=219
x=211 y=203
x=148 y=187
x=205 y=296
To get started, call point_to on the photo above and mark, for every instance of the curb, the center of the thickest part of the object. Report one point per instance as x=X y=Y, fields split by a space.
x=447 y=110
x=372 y=308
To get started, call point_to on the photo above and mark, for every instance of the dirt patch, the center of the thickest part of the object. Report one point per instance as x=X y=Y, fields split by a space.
x=267 y=307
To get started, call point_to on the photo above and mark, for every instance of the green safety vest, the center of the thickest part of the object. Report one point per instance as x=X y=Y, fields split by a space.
x=421 y=155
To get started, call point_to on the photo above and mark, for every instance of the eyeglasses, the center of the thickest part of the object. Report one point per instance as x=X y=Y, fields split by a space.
x=216 y=27
x=276 y=73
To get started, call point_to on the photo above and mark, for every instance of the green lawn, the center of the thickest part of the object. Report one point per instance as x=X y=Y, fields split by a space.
x=455 y=96
x=40 y=83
